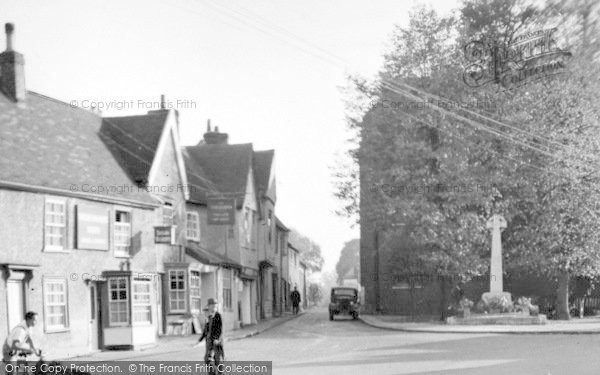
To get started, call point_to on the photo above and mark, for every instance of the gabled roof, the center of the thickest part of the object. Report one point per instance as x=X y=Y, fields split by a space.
x=263 y=161
x=225 y=165
x=138 y=138
x=45 y=142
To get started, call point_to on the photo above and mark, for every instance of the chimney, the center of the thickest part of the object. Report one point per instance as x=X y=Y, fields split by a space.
x=12 y=69
x=162 y=102
x=214 y=137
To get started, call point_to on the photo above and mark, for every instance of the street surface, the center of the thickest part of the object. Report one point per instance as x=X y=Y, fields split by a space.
x=311 y=344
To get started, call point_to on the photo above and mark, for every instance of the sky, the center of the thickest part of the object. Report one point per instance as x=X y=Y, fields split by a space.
x=265 y=72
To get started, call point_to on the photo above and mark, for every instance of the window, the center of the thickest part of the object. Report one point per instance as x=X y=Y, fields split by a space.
x=269 y=227
x=142 y=309
x=118 y=302
x=55 y=225
x=227 y=289
x=122 y=233
x=247 y=226
x=168 y=214
x=193 y=226
x=252 y=225
x=55 y=304
x=196 y=305
x=177 y=290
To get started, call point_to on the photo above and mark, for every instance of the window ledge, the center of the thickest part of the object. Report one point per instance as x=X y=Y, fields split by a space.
x=57 y=330
x=61 y=251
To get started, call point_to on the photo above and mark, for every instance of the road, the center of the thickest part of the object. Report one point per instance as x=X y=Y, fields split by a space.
x=311 y=344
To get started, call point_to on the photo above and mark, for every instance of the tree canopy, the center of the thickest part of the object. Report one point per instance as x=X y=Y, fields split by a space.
x=438 y=170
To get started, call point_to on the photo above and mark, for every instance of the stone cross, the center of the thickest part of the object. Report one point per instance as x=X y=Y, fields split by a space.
x=496 y=223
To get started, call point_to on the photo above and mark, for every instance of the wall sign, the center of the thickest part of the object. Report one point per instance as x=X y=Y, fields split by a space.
x=221 y=211
x=92 y=228
x=164 y=234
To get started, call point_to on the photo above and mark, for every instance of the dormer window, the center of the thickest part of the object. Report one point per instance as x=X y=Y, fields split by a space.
x=168 y=214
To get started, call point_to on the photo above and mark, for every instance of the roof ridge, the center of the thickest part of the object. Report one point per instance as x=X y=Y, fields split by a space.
x=131 y=116
x=74 y=107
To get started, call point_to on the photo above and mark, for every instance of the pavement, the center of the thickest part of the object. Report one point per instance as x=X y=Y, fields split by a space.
x=587 y=325
x=173 y=344
x=311 y=344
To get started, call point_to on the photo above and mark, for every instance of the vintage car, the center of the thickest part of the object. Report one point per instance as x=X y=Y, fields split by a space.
x=344 y=300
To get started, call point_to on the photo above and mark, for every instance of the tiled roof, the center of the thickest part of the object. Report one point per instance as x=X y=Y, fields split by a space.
x=226 y=166
x=262 y=169
x=137 y=139
x=201 y=187
x=45 y=142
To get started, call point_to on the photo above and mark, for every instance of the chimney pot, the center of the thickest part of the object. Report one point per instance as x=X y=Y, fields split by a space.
x=215 y=138
x=162 y=101
x=208 y=126
x=12 y=69
x=9 y=28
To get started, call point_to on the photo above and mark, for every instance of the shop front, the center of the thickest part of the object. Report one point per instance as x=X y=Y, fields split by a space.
x=128 y=301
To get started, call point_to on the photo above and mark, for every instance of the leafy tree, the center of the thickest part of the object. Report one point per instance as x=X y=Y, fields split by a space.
x=315 y=294
x=551 y=228
x=310 y=252
x=349 y=258
x=539 y=174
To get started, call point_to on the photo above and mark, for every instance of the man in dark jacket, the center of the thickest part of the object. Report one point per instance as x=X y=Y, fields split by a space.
x=295 y=297
x=213 y=332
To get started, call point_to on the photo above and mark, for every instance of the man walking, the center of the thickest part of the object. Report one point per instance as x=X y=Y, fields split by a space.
x=213 y=332
x=295 y=297
x=19 y=341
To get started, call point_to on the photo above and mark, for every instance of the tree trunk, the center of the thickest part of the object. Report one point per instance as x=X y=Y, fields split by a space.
x=562 y=297
x=443 y=300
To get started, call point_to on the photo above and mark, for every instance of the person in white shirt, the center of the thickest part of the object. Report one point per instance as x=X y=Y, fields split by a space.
x=19 y=340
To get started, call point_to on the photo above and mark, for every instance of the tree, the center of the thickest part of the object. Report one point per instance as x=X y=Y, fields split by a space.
x=310 y=252
x=349 y=258
x=315 y=294
x=539 y=173
x=552 y=229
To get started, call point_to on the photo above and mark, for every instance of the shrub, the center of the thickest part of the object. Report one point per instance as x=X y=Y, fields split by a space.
x=500 y=303
x=523 y=304
x=465 y=303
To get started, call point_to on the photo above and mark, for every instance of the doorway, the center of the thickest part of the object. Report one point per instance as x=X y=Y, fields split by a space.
x=15 y=298
x=95 y=318
x=274 y=294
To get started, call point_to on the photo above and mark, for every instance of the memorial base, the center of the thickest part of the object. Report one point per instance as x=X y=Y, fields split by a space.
x=497 y=319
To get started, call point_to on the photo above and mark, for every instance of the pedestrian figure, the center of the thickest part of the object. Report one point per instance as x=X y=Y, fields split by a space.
x=213 y=333
x=19 y=341
x=295 y=297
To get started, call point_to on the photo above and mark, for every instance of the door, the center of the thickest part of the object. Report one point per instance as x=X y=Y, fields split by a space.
x=15 y=294
x=95 y=327
x=274 y=293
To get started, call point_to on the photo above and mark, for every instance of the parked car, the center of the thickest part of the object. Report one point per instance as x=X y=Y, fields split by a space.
x=344 y=300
